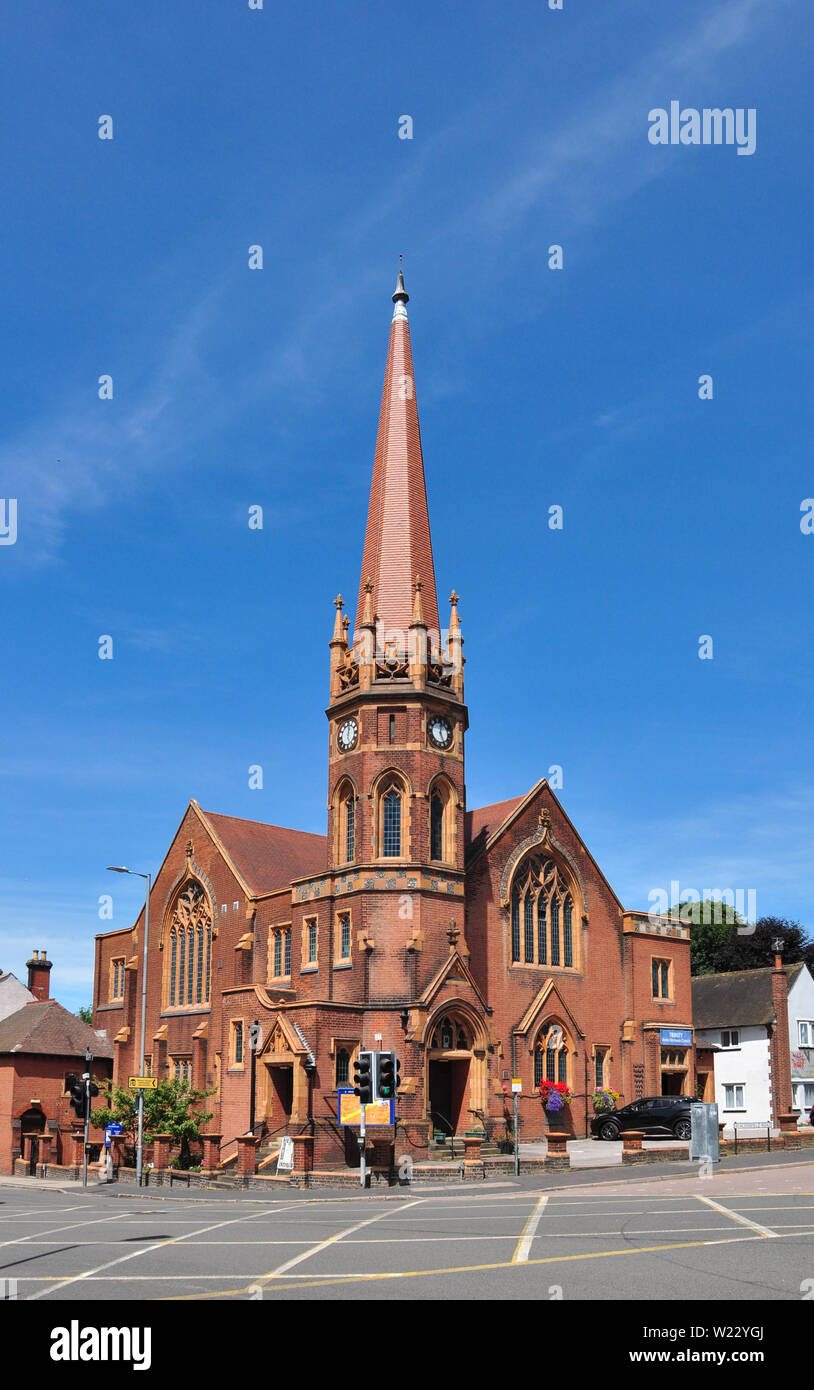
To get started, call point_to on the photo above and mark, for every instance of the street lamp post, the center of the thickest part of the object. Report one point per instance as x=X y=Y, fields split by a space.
x=139 y=1145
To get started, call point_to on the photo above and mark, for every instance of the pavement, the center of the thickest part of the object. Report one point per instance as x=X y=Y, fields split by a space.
x=598 y=1153
x=743 y=1232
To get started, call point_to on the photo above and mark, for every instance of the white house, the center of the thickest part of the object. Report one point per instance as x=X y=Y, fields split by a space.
x=13 y=994
x=753 y=1023
x=801 y=1042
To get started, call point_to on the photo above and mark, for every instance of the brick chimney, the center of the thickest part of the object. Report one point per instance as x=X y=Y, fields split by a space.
x=39 y=976
x=780 y=1046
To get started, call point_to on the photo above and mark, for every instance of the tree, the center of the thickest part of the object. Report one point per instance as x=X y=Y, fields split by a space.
x=720 y=941
x=712 y=926
x=749 y=950
x=85 y=1013
x=167 y=1110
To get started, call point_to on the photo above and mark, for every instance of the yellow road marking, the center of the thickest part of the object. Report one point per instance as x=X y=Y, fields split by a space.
x=318 y=1282
x=521 y=1254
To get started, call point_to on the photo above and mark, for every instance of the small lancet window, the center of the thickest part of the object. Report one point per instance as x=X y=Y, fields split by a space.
x=436 y=826
x=391 y=824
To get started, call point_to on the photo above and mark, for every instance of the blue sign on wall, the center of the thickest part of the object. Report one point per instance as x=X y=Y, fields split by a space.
x=676 y=1037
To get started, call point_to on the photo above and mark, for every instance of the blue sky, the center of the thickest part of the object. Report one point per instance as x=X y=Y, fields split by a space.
x=536 y=387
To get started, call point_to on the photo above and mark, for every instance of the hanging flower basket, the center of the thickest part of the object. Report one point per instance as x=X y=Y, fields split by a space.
x=555 y=1096
x=605 y=1099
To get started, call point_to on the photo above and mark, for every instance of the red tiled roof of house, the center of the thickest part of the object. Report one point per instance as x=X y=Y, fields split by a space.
x=397 y=540
x=269 y=856
x=485 y=820
x=50 y=1028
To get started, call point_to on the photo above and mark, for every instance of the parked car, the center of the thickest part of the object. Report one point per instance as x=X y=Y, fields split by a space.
x=653 y=1114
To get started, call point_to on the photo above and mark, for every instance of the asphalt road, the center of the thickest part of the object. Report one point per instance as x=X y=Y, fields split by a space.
x=743 y=1235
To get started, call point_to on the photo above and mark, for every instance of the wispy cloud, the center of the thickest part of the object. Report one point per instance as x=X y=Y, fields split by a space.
x=83 y=459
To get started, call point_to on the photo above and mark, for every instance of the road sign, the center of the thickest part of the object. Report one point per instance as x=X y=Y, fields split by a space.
x=382 y=1112
x=111 y=1130
x=143 y=1083
x=517 y=1084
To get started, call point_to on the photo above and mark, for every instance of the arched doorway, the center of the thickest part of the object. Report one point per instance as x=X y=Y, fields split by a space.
x=450 y=1047
x=32 y=1125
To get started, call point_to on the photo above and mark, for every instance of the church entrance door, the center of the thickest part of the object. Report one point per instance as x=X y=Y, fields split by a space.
x=282 y=1088
x=448 y=1088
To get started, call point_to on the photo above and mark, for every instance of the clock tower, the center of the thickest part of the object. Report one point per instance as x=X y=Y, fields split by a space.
x=397 y=719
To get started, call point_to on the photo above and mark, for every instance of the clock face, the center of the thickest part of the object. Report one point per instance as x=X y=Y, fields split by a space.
x=347 y=735
x=440 y=732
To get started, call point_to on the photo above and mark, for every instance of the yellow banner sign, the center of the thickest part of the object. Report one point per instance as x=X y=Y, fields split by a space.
x=143 y=1083
x=350 y=1111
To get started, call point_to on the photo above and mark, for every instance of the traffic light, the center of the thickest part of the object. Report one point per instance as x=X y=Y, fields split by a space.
x=387 y=1076
x=75 y=1087
x=364 y=1077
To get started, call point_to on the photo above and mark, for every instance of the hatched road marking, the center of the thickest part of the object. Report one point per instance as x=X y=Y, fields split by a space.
x=735 y=1216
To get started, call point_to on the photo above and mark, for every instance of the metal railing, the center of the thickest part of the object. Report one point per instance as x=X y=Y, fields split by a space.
x=436 y=1115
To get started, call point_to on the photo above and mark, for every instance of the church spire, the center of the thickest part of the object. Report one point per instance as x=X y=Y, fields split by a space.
x=397 y=539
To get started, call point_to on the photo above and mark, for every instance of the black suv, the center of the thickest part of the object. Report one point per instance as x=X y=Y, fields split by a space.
x=654 y=1114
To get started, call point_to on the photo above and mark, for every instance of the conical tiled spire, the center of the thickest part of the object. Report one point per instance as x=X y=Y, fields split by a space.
x=397 y=540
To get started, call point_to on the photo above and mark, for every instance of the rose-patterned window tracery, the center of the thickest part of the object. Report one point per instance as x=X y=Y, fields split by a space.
x=190 y=947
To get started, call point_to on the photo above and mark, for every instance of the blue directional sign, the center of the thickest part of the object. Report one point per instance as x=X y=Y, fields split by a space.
x=112 y=1130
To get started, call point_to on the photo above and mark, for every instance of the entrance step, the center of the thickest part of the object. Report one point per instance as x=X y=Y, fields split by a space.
x=442 y=1151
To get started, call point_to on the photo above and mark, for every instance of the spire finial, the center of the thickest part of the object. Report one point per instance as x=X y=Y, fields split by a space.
x=418 y=607
x=338 y=632
x=400 y=296
x=368 y=618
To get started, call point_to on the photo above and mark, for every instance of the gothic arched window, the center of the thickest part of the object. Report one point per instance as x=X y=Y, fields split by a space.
x=391 y=824
x=551 y=1055
x=190 y=948
x=541 y=889
x=436 y=826
x=344 y=812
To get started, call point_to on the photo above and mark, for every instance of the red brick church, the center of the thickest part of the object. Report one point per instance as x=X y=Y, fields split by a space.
x=480 y=944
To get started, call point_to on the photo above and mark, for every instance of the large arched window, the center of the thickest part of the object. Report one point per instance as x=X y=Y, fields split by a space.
x=187 y=970
x=542 y=913
x=391 y=813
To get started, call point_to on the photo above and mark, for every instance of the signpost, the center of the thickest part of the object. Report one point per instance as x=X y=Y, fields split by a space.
x=372 y=1099
x=142 y=1083
x=517 y=1087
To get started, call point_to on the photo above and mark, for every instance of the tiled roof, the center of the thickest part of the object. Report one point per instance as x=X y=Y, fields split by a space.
x=485 y=820
x=736 y=997
x=50 y=1028
x=397 y=539
x=269 y=856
